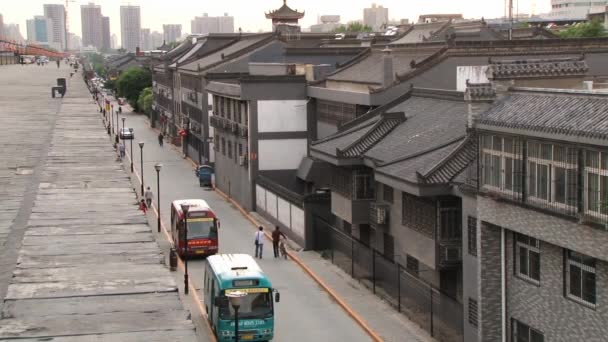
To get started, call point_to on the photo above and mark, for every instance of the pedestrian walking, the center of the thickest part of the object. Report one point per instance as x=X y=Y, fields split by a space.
x=161 y=137
x=259 y=242
x=57 y=64
x=149 y=196
x=121 y=148
x=142 y=206
x=276 y=238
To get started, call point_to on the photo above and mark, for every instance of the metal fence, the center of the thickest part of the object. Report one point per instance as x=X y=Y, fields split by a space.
x=439 y=314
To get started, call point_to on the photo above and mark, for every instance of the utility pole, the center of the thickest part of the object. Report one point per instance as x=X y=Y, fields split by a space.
x=510 y=19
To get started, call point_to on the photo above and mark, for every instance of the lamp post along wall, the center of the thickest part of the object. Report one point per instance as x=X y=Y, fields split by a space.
x=157 y=167
x=235 y=300
x=131 y=130
x=185 y=209
x=141 y=159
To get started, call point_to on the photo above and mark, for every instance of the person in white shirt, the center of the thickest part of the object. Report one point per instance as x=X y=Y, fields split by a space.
x=259 y=242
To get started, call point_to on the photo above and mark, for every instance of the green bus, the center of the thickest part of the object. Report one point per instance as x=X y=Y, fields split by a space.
x=226 y=273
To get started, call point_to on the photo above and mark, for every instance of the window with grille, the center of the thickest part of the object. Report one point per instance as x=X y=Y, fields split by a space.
x=387 y=193
x=473 y=313
x=472 y=235
x=596 y=184
x=418 y=214
x=501 y=163
x=527 y=258
x=412 y=265
x=524 y=333
x=552 y=171
x=580 y=278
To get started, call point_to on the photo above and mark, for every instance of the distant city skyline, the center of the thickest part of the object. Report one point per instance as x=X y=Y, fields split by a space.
x=155 y=13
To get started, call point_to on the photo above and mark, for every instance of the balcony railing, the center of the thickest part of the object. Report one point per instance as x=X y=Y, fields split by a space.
x=449 y=254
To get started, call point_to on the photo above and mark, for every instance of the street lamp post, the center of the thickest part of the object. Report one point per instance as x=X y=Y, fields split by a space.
x=185 y=209
x=131 y=130
x=123 y=128
x=141 y=159
x=235 y=300
x=117 y=126
x=158 y=167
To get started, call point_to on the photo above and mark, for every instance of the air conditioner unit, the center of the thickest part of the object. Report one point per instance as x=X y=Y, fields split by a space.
x=452 y=253
x=381 y=215
x=241 y=160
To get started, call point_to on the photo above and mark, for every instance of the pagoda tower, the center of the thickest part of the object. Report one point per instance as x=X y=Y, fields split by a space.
x=284 y=15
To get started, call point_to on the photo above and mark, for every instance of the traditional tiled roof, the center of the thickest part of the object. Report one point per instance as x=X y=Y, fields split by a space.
x=568 y=112
x=420 y=32
x=480 y=92
x=452 y=165
x=532 y=68
x=285 y=12
x=408 y=168
x=384 y=126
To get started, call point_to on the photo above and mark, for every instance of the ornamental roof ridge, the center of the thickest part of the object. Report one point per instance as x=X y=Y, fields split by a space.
x=285 y=12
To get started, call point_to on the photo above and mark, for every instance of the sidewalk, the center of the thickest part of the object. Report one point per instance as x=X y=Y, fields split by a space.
x=379 y=315
x=89 y=267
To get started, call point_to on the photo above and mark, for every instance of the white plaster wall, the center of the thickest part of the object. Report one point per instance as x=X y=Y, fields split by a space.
x=475 y=74
x=282 y=116
x=260 y=195
x=271 y=204
x=281 y=154
x=297 y=221
x=284 y=212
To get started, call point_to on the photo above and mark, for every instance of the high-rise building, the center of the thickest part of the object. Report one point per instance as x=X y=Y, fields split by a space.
x=74 y=42
x=326 y=23
x=574 y=9
x=375 y=17
x=1 y=26
x=106 y=38
x=40 y=31
x=57 y=13
x=144 y=39
x=114 y=41
x=90 y=15
x=172 y=32
x=130 y=27
x=207 y=24
x=156 y=40
x=13 y=32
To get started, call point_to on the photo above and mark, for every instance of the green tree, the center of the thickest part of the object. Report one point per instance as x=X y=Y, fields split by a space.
x=131 y=83
x=110 y=84
x=144 y=102
x=588 y=29
x=353 y=27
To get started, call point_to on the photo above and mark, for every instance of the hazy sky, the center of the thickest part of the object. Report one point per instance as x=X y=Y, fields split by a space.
x=249 y=14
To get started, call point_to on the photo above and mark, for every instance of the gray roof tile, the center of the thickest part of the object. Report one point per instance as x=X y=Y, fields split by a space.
x=576 y=113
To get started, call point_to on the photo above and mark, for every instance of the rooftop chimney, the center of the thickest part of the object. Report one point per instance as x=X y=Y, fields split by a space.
x=388 y=71
x=479 y=97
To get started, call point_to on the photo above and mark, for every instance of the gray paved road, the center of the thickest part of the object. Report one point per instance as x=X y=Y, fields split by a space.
x=305 y=313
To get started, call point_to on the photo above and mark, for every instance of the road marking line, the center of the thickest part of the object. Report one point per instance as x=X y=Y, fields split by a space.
x=180 y=265
x=358 y=319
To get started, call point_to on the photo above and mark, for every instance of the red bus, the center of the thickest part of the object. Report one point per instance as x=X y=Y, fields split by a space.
x=203 y=237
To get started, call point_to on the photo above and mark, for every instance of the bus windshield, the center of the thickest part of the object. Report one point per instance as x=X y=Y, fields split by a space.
x=202 y=228
x=253 y=305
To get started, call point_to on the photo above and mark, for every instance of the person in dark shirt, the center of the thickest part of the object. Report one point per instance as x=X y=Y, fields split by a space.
x=276 y=238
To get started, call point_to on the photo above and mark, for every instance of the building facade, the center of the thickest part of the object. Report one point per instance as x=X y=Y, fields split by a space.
x=156 y=40
x=574 y=9
x=375 y=17
x=144 y=39
x=172 y=32
x=40 y=31
x=57 y=14
x=91 y=21
x=106 y=37
x=130 y=27
x=207 y=24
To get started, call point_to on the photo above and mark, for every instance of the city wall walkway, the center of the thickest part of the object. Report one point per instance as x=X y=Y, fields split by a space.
x=88 y=267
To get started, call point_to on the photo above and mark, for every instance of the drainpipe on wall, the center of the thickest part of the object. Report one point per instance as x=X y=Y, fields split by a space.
x=503 y=290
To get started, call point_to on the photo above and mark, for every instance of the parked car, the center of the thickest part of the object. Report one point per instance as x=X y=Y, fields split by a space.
x=126 y=133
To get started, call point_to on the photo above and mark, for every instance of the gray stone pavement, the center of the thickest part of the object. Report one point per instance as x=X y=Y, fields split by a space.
x=88 y=266
x=306 y=312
